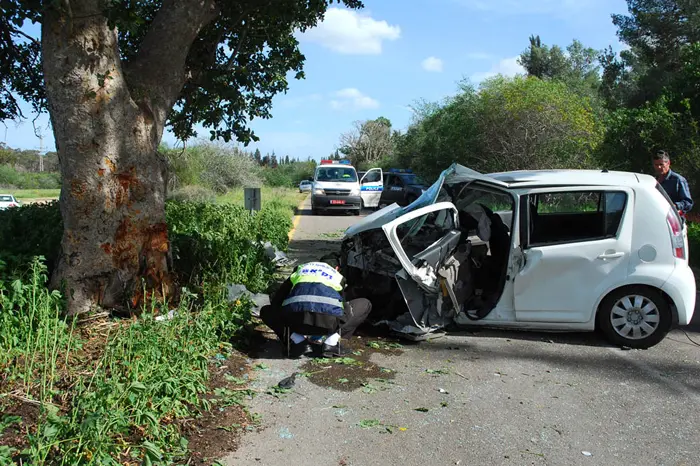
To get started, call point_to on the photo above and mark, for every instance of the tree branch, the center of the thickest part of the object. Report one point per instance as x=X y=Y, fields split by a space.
x=237 y=50
x=159 y=67
x=32 y=39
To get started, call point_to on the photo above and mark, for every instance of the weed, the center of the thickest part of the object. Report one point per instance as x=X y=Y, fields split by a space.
x=367 y=423
x=342 y=361
x=276 y=391
x=383 y=345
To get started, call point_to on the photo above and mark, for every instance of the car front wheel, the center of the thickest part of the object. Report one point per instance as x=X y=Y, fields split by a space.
x=637 y=317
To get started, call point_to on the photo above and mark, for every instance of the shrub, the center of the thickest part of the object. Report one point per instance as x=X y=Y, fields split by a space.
x=193 y=194
x=225 y=241
x=694 y=243
x=215 y=166
x=29 y=231
x=11 y=178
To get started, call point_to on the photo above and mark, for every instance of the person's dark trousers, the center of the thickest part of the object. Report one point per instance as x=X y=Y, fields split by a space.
x=358 y=312
x=274 y=319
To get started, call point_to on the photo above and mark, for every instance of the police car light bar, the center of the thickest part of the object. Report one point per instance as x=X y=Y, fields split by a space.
x=400 y=170
x=329 y=162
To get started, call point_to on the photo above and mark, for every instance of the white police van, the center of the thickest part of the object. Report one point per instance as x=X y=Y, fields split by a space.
x=336 y=186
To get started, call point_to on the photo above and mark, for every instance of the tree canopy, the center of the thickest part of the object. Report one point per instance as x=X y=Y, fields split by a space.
x=234 y=67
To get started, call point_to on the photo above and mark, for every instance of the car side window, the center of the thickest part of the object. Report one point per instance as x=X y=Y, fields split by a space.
x=372 y=177
x=575 y=216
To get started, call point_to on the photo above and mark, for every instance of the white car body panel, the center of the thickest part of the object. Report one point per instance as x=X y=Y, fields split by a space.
x=421 y=276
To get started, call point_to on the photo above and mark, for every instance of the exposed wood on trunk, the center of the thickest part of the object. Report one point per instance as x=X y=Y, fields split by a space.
x=107 y=130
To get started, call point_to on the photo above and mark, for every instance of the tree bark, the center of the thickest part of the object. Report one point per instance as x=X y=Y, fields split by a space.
x=107 y=128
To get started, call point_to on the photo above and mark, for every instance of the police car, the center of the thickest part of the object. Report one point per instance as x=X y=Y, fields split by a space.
x=337 y=186
x=401 y=186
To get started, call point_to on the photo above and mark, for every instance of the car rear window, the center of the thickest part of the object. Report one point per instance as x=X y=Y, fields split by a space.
x=6 y=199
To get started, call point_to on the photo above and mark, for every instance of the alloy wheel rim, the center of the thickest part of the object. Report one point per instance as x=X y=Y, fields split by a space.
x=635 y=317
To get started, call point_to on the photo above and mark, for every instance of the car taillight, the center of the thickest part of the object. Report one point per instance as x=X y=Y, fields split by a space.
x=676 y=230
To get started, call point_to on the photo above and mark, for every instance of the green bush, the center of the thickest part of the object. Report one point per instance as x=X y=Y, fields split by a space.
x=214 y=166
x=208 y=240
x=276 y=177
x=193 y=194
x=694 y=243
x=11 y=178
x=225 y=241
x=29 y=231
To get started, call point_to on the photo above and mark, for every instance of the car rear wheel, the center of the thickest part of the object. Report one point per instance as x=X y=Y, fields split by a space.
x=637 y=317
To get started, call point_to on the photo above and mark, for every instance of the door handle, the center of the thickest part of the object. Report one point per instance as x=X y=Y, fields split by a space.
x=611 y=255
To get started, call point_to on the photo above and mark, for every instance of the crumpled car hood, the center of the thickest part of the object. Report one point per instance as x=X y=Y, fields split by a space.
x=455 y=173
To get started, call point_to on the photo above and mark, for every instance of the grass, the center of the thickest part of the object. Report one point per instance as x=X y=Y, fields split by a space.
x=109 y=394
x=33 y=193
x=288 y=198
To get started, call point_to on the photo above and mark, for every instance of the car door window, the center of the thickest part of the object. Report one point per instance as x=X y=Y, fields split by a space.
x=575 y=216
x=372 y=177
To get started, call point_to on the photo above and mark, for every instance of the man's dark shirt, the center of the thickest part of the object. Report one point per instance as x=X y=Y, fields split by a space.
x=677 y=189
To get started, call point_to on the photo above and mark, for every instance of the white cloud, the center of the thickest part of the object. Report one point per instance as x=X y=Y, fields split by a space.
x=433 y=64
x=506 y=67
x=353 y=99
x=352 y=33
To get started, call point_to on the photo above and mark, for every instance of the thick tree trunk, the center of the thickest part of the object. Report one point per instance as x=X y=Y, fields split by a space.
x=113 y=193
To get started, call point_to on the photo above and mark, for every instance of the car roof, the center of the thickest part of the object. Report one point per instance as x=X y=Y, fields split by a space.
x=533 y=178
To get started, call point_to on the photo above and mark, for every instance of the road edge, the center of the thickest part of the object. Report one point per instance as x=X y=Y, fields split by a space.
x=296 y=219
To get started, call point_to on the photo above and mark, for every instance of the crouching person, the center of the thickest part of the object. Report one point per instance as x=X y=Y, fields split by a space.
x=311 y=305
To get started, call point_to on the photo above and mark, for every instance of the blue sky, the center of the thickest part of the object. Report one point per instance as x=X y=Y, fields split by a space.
x=380 y=60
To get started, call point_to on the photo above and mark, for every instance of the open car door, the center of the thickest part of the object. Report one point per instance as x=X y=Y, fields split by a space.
x=426 y=242
x=371 y=187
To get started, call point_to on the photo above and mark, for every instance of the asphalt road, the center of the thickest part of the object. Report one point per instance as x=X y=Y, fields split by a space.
x=486 y=398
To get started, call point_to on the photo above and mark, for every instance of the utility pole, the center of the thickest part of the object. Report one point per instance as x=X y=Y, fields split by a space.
x=41 y=152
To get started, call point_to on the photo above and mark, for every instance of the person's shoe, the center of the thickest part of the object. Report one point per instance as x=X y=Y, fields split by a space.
x=317 y=350
x=297 y=350
x=335 y=351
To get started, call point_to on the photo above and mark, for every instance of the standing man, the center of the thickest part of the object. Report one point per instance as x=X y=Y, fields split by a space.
x=311 y=304
x=674 y=184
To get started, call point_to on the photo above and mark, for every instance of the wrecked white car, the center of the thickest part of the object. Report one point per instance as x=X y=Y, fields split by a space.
x=565 y=250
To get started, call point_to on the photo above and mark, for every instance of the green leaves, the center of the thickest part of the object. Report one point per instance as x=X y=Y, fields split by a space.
x=225 y=241
x=507 y=124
